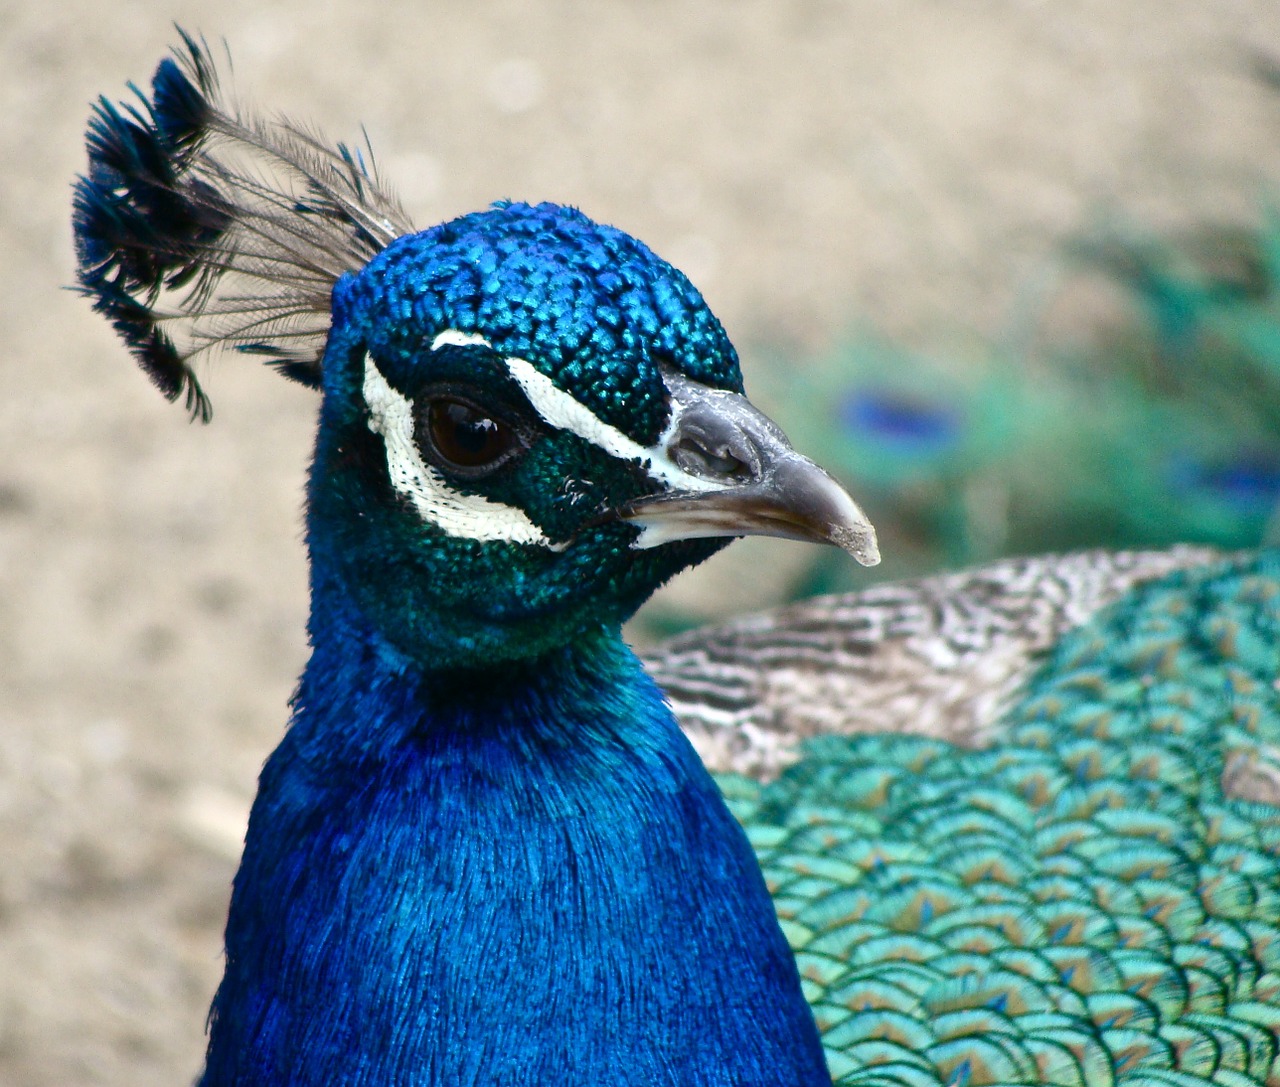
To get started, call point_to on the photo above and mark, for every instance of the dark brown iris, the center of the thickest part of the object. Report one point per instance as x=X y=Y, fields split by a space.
x=464 y=437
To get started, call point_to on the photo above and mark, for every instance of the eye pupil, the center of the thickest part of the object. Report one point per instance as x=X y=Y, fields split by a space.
x=465 y=437
x=474 y=436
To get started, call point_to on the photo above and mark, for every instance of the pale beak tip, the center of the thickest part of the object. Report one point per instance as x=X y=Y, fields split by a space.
x=860 y=542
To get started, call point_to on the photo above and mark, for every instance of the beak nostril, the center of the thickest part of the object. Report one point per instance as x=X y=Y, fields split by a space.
x=715 y=462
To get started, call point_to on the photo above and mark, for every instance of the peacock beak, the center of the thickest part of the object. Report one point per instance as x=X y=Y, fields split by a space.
x=737 y=475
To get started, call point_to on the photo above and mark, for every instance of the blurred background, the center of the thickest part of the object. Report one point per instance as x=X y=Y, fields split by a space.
x=1009 y=268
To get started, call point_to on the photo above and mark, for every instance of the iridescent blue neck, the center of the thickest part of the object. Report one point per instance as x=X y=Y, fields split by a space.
x=525 y=878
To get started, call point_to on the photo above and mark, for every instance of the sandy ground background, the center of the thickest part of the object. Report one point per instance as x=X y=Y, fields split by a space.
x=903 y=163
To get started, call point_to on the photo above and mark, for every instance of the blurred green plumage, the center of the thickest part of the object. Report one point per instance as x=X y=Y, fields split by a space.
x=1079 y=903
x=1158 y=425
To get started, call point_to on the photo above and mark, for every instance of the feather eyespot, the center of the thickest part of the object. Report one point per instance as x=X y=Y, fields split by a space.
x=465 y=439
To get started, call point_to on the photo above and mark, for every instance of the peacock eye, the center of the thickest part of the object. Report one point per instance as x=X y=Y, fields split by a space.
x=463 y=437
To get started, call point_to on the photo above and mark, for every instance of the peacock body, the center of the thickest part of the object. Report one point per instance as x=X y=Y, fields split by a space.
x=485 y=852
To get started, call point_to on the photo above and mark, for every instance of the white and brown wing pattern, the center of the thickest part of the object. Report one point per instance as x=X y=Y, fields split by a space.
x=941 y=656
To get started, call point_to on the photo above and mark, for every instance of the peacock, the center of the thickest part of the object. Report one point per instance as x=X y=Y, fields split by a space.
x=1018 y=825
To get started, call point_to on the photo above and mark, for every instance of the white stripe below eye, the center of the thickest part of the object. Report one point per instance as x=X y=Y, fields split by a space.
x=560 y=410
x=467 y=516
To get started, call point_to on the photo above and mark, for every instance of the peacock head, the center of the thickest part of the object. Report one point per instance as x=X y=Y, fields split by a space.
x=529 y=420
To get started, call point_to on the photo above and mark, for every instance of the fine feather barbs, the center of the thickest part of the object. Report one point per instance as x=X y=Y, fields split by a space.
x=198 y=224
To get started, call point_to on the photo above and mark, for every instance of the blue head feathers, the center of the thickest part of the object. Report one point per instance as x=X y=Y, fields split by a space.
x=589 y=306
x=562 y=335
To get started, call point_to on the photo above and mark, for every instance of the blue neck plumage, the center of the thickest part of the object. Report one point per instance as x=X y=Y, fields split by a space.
x=525 y=880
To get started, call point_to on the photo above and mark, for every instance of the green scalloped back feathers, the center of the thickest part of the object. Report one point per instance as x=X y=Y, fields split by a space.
x=1081 y=903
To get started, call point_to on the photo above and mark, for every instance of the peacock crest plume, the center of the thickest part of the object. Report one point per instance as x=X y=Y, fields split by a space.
x=201 y=224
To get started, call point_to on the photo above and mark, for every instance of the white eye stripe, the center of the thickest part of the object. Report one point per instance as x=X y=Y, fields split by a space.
x=560 y=410
x=452 y=337
x=466 y=516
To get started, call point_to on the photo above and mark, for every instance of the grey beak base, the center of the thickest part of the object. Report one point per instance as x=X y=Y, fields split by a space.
x=801 y=502
x=749 y=482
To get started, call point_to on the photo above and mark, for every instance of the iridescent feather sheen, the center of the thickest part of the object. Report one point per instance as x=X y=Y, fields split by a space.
x=1091 y=897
